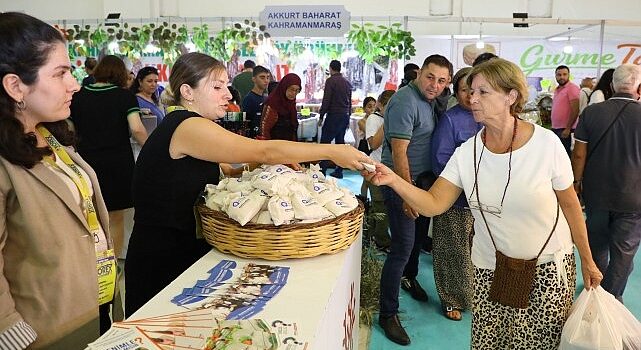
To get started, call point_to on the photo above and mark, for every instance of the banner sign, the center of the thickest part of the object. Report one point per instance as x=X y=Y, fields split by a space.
x=306 y=20
x=539 y=58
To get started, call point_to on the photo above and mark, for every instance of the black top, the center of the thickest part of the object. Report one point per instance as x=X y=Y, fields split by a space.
x=166 y=189
x=99 y=114
x=611 y=178
x=253 y=107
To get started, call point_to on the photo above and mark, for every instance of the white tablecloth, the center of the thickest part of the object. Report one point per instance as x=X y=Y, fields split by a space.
x=321 y=296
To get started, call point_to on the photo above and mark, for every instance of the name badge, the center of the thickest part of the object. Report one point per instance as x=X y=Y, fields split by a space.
x=106 y=265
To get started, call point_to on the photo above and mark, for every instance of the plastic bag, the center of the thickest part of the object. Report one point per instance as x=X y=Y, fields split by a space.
x=598 y=321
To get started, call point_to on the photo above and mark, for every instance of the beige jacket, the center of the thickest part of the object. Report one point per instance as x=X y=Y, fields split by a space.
x=48 y=259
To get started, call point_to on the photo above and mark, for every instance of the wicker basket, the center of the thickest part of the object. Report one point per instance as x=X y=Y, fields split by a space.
x=279 y=242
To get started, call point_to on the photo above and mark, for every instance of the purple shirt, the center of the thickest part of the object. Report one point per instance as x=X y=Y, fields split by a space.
x=455 y=127
x=337 y=98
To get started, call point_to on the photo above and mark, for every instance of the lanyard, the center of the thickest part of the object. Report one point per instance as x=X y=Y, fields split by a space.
x=105 y=260
x=76 y=176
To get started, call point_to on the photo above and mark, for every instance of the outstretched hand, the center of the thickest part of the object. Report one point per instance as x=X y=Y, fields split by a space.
x=381 y=176
x=347 y=156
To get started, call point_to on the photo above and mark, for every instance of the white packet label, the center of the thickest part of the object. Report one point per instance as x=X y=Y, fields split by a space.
x=324 y=193
x=281 y=210
x=307 y=208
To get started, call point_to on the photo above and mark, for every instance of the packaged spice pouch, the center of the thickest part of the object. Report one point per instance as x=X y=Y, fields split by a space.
x=243 y=208
x=209 y=202
x=222 y=184
x=307 y=208
x=323 y=193
x=248 y=175
x=301 y=176
x=238 y=185
x=281 y=170
x=315 y=172
x=338 y=207
x=210 y=189
x=281 y=210
x=295 y=187
x=266 y=197
x=262 y=218
x=219 y=198
x=349 y=198
x=264 y=181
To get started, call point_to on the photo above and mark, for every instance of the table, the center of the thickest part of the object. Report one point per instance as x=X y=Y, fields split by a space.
x=321 y=295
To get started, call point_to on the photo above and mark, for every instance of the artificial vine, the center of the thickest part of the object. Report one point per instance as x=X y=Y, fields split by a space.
x=373 y=41
x=170 y=38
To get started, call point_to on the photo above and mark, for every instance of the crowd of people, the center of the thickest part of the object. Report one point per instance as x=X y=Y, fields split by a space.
x=498 y=189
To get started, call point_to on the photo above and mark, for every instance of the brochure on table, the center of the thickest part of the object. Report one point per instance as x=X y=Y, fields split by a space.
x=319 y=295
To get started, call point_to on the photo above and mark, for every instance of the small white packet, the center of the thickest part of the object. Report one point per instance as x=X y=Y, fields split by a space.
x=281 y=210
x=222 y=184
x=349 y=199
x=324 y=193
x=307 y=208
x=338 y=207
x=262 y=218
x=238 y=185
x=243 y=208
x=211 y=204
x=210 y=189
x=220 y=198
x=249 y=175
x=315 y=172
x=281 y=170
x=264 y=181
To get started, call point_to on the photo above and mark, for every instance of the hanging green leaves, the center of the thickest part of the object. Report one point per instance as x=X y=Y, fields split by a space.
x=372 y=41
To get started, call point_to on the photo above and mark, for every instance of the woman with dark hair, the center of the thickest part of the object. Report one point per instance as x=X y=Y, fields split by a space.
x=452 y=230
x=603 y=89
x=145 y=88
x=104 y=114
x=53 y=222
x=280 y=121
x=187 y=149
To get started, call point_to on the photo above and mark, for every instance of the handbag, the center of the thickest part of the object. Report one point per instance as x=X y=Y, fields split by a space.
x=513 y=278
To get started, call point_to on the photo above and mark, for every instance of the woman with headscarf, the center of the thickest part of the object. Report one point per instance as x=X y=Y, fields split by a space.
x=279 y=113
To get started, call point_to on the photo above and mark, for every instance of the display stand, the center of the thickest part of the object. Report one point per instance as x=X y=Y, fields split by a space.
x=321 y=296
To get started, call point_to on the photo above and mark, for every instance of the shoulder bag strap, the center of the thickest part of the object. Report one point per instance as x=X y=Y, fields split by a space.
x=596 y=144
x=476 y=189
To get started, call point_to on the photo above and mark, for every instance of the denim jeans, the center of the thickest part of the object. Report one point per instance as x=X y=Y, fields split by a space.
x=334 y=128
x=614 y=240
x=402 y=260
x=567 y=142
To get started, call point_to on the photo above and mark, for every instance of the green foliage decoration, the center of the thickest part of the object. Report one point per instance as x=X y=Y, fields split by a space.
x=373 y=41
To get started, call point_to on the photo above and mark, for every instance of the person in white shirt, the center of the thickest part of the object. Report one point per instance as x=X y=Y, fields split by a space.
x=374 y=136
x=518 y=181
x=584 y=95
